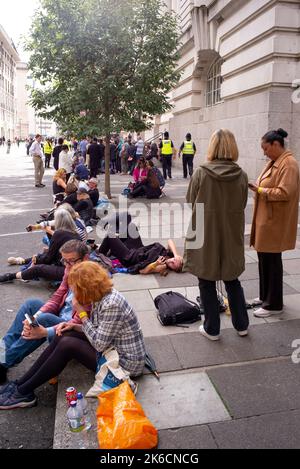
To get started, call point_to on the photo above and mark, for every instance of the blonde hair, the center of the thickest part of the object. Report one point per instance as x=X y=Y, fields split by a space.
x=59 y=174
x=223 y=146
x=89 y=282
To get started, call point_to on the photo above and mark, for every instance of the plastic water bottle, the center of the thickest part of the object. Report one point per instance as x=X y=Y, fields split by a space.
x=83 y=406
x=76 y=424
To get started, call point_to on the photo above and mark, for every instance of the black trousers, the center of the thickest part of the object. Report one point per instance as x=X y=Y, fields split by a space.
x=47 y=272
x=167 y=165
x=237 y=304
x=47 y=160
x=188 y=162
x=271 y=280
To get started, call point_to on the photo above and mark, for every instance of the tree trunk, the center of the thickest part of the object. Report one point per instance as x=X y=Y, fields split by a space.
x=107 y=166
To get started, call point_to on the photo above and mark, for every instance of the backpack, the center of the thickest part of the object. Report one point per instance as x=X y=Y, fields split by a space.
x=174 y=309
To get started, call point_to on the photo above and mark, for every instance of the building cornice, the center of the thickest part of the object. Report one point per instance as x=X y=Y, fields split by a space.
x=270 y=32
x=265 y=59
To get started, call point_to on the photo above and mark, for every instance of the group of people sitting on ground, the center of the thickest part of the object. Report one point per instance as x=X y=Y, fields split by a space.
x=148 y=181
x=86 y=316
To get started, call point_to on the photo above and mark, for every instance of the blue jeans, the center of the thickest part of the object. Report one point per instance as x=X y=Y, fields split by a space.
x=17 y=348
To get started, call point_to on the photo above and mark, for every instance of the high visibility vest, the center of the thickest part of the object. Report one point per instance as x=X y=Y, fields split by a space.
x=48 y=148
x=188 y=148
x=167 y=148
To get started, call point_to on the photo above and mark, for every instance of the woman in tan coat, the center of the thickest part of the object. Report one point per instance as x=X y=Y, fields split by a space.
x=222 y=186
x=275 y=221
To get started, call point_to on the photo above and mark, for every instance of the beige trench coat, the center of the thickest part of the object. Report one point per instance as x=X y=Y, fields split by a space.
x=275 y=220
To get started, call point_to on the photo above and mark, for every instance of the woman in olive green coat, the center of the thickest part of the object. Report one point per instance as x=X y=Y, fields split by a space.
x=222 y=186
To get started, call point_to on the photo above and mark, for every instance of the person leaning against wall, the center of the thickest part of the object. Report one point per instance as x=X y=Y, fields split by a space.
x=275 y=220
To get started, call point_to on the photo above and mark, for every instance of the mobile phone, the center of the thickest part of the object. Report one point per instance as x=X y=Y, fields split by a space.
x=29 y=228
x=32 y=320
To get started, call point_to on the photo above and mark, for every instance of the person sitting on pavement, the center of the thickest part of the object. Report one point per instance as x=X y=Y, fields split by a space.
x=81 y=171
x=158 y=173
x=47 y=265
x=222 y=186
x=112 y=322
x=58 y=309
x=84 y=205
x=148 y=187
x=80 y=228
x=93 y=191
x=59 y=185
x=141 y=171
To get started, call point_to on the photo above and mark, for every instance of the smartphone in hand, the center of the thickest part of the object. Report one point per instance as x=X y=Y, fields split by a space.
x=33 y=322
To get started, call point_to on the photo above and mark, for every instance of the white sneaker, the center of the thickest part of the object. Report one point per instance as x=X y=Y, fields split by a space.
x=205 y=334
x=256 y=302
x=242 y=333
x=264 y=313
x=16 y=261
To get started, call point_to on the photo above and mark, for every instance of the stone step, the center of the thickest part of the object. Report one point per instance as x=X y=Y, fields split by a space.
x=184 y=364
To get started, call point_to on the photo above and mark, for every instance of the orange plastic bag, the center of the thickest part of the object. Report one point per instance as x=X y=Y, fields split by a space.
x=122 y=423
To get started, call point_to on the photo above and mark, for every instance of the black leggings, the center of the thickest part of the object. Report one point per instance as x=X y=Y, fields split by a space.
x=71 y=346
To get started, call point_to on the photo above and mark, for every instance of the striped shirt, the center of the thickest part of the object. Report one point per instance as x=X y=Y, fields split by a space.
x=114 y=324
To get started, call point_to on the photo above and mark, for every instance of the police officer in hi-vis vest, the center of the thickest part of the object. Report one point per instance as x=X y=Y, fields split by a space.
x=188 y=149
x=166 y=153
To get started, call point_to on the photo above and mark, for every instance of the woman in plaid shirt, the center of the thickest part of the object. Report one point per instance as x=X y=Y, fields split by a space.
x=112 y=323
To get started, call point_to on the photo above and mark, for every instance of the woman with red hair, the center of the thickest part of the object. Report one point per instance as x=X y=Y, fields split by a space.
x=111 y=324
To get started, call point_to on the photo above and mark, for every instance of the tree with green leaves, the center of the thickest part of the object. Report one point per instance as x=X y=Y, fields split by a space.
x=103 y=65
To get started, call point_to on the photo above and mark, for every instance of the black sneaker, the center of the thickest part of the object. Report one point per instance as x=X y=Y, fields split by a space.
x=3 y=374
x=16 y=400
x=7 y=278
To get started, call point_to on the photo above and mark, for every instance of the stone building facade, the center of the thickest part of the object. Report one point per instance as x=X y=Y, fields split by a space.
x=8 y=109
x=240 y=64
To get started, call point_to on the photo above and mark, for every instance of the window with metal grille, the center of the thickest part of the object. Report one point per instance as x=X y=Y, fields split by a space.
x=214 y=82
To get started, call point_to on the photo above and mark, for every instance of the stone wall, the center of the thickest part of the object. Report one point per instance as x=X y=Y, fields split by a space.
x=259 y=43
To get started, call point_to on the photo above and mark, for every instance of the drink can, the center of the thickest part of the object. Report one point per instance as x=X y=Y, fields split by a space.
x=71 y=395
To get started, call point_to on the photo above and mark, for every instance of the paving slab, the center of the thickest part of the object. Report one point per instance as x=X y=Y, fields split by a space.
x=291 y=266
x=196 y=351
x=291 y=310
x=140 y=300
x=125 y=282
x=162 y=350
x=251 y=272
x=197 y=437
x=258 y=388
x=293 y=281
x=250 y=260
x=78 y=376
x=180 y=400
x=251 y=289
x=174 y=280
x=295 y=254
x=277 y=430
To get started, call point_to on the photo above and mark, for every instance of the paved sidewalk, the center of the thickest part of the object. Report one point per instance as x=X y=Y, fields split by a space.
x=238 y=393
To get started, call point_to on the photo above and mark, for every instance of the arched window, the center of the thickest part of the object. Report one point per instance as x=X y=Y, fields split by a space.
x=214 y=81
